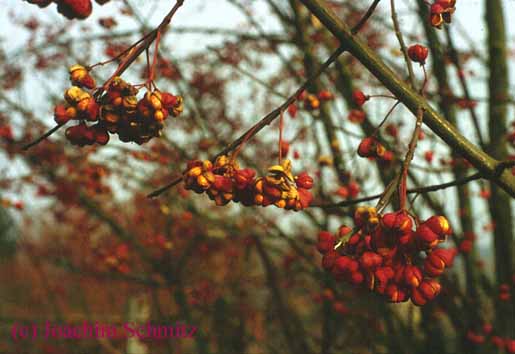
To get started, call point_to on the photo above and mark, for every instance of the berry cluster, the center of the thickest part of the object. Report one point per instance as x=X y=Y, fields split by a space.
x=118 y=111
x=312 y=101
x=441 y=11
x=385 y=254
x=71 y=9
x=224 y=181
x=372 y=148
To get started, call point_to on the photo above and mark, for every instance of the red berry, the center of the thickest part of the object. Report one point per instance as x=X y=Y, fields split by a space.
x=359 y=97
x=370 y=260
x=60 y=115
x=40 y=3
x=418 y=53
x=303 y=180
x=356 y=116
x=325 y=95
x=325 y=242
x=71 y=9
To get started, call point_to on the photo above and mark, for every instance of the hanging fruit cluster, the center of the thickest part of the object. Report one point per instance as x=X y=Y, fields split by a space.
x=312 y=101
x=224 y=181
x=372 y=148
x=386 y=255
x=116 y=111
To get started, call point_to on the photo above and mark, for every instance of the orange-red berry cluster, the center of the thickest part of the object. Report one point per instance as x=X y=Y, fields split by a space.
x=372 y=148
x=441 y=11
x=117 y=111
x=312 y=101
x=224 y=181
x=385 y=255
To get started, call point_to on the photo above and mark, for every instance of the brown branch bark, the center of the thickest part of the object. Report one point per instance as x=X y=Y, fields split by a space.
x=500 y=203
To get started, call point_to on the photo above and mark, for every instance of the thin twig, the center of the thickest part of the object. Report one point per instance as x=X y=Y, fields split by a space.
x=453 y=55
x=408 y=158
x=365 y=18
x=433 y=188
x=400 y=38
x=42 y=137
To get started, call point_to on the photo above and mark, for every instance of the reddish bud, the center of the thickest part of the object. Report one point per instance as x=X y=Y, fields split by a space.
x=368 y=146
x=418 y=53
x=356 y=116
x=75 y=8
x=359 y=97
x=325 y=95
x=439 y=225
x=60 y=115
x=398 y=222
x=169 y=101
x=425 y=237
x=430 y=288
x=303 y=180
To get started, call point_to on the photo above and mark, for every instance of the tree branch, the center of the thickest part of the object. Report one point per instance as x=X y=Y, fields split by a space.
x=411 y=99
